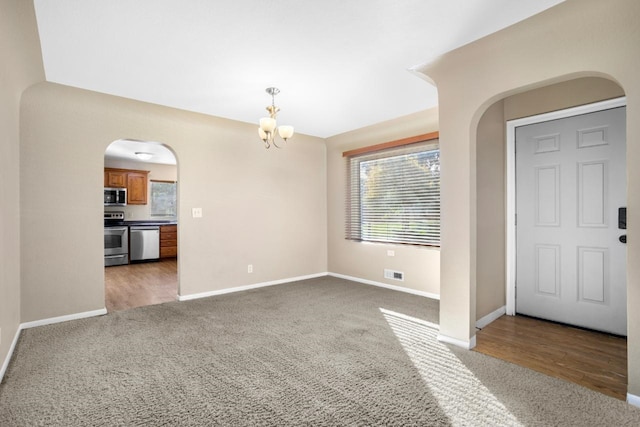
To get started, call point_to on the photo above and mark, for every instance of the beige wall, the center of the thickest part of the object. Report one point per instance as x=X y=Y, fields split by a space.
x=368 y=260
x=490 y=291
x=157 y=171
x=266 y=208
x=21 y=66
x=577 y=38
x=560 y=96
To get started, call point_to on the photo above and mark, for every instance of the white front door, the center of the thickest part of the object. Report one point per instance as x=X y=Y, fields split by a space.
x=570 y=184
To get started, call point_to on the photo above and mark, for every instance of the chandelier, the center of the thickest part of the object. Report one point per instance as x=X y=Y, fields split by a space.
x=268 y=125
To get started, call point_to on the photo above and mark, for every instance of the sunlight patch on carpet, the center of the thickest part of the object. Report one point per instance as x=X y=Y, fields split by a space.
x=464 y=399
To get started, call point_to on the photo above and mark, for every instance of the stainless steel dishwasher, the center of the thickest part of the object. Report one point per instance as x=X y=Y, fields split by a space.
x=145 y=242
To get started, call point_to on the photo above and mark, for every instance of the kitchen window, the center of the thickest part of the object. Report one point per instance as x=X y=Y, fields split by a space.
x=164 y=199
x=393 y=194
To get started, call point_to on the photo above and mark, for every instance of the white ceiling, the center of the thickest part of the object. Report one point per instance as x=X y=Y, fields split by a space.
x=340 y=64
x=126 y=149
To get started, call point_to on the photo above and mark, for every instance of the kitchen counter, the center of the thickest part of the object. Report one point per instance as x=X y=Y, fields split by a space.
x=150 y=222
x=140 y=222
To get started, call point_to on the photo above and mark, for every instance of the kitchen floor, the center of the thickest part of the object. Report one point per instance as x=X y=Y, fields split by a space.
x=137 y=285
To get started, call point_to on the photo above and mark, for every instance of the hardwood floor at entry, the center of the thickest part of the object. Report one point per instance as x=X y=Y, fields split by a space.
x=137 y=285
x=592 y=359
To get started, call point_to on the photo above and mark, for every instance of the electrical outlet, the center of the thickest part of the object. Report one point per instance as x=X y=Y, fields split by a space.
x=250 y=268
x=196 y=212
x=391 y=253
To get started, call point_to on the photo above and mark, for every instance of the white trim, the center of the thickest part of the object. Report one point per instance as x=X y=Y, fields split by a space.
x=65 y=318
x=384 y=285
x=484 y=321
x=633 y=400
x=247 y=287
x=467 y=345
x=511 y=180
x=5 y=364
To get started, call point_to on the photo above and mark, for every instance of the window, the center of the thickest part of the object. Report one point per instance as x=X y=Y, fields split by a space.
x=393 y=195
x=163 y=198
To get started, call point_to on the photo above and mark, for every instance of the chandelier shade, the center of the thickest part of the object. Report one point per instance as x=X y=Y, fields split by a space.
x=267 y=124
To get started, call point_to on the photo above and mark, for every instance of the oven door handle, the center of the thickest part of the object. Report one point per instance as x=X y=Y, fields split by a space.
x=109 y=229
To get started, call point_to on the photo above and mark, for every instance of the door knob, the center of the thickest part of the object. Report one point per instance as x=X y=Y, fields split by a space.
x=623 y=238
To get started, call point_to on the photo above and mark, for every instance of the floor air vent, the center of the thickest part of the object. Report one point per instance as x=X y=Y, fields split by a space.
x=393 y=275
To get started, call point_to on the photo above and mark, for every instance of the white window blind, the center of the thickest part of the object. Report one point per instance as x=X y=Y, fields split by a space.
x=393 y=196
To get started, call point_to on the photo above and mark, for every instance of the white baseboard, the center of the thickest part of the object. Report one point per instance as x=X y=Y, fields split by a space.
x=66 y=318
x=633 y=400
x=248 y=287
x=467 y=345
x=384 y=285
x=5 y=364
x=484 y=321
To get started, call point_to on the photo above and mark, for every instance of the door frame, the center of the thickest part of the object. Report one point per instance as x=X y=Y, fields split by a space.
x=511 y=181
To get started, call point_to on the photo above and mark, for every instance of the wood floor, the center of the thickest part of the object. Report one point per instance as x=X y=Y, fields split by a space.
x=594 y=360
x=137 y=285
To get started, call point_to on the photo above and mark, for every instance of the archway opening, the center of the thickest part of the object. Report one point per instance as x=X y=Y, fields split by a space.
x=140 y=224
x=493 y=219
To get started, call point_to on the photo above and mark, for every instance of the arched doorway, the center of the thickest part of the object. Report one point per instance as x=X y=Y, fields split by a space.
x=527 y=341
x=141 y=224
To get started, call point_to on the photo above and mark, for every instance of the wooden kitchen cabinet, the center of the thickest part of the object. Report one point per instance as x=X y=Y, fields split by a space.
x=168 y=241
x=135 y=181
x=137 y=188
x=115 y=178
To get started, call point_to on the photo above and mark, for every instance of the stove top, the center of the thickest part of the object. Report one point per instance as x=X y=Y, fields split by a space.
x=114 y=215
x=113 y=218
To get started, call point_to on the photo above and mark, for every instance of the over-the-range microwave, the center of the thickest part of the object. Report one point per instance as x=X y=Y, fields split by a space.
x=115 y=196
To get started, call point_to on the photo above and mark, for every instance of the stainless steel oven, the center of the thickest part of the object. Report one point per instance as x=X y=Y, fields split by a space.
x=116 y=239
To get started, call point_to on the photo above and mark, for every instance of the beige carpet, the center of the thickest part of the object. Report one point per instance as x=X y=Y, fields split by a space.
x=322 y=352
